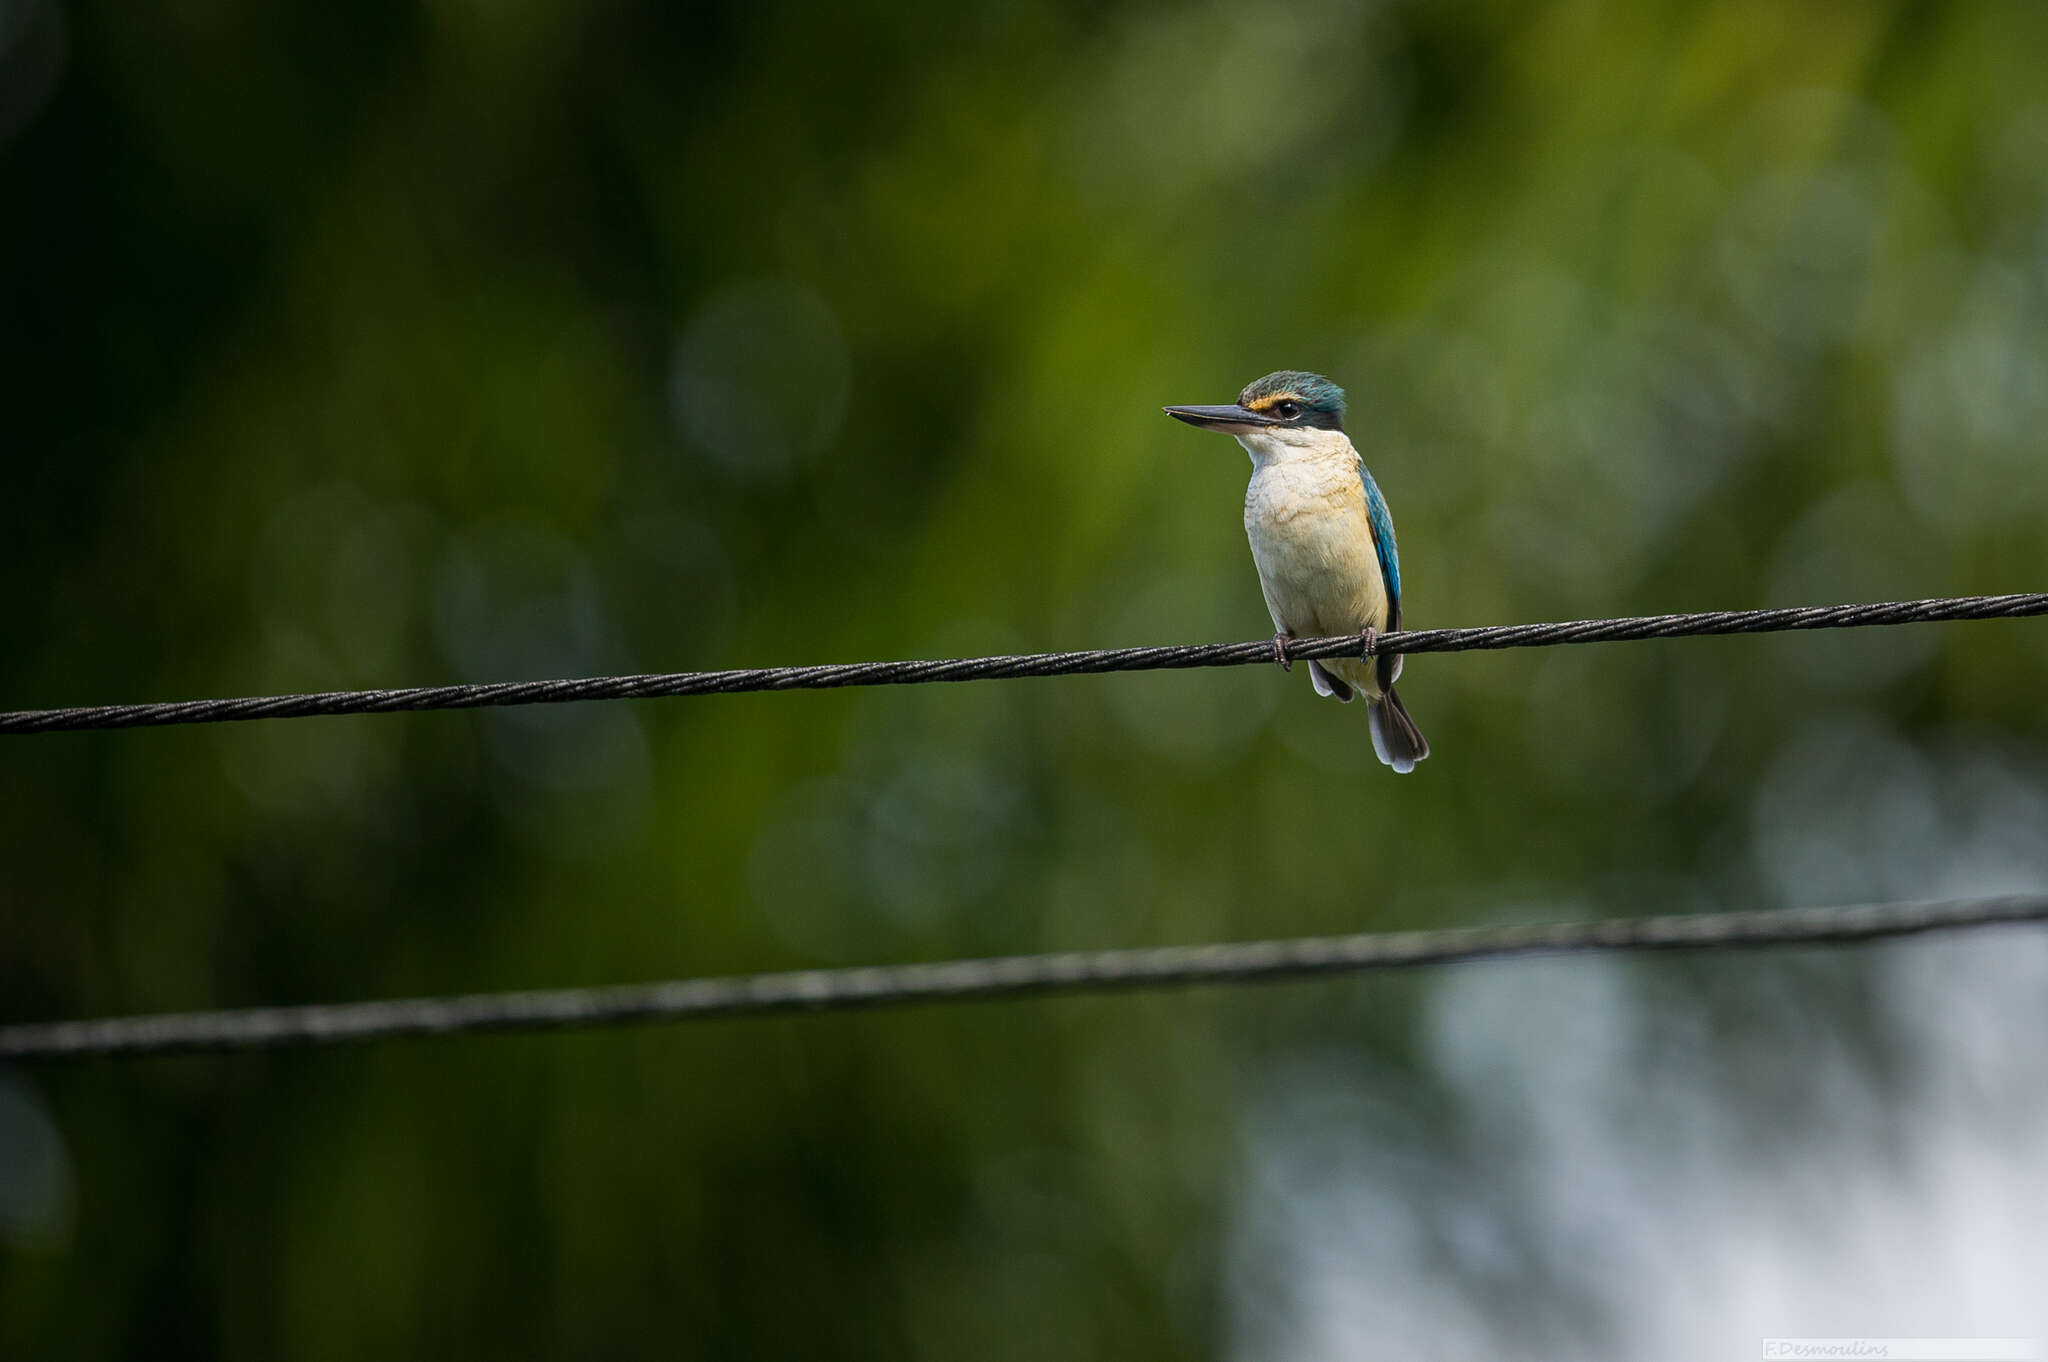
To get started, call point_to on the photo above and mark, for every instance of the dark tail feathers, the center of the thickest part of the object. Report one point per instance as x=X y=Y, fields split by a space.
x=1395 y=737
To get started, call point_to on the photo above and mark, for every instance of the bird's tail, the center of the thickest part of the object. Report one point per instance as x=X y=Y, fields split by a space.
x=1395 y=737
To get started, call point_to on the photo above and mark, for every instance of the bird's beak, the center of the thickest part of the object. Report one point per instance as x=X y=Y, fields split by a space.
x=1231 y=420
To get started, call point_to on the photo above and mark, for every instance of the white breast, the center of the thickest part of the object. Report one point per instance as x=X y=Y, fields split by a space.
x=1305 y=516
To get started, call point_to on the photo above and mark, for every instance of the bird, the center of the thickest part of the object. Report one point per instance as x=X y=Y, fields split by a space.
x=1323 y=542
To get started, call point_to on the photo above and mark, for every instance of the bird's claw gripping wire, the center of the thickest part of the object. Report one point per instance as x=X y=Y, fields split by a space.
x=1372 y=644
x=1280 y=652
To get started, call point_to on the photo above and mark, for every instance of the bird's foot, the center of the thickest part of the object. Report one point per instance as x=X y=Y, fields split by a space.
x=1280 y=652
x=1372 y=643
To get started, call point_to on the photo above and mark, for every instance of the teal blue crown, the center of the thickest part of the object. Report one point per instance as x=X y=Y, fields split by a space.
x=1313 y=392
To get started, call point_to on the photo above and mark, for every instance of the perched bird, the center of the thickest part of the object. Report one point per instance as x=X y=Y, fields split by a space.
x=1322 y=540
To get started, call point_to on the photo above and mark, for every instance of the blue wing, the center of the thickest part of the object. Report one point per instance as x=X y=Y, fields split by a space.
x=1390 y=567
x=1383 y=544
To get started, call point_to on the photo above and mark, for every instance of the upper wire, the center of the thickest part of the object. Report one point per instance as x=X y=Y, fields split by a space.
x=1082 y=663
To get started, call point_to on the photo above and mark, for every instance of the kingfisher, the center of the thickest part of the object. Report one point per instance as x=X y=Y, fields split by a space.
x=1323 y=542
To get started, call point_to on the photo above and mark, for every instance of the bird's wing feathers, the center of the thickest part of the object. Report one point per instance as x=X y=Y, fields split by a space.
x=1383 y=544
x=1390 y=563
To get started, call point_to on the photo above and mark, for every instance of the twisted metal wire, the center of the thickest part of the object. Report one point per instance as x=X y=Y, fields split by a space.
x=1087 y=662
x=1001 y=977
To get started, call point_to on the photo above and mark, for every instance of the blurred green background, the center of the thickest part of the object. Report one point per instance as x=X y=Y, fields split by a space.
x=393 y=344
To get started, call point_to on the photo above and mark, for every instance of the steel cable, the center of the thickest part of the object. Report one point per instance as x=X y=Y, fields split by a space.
x=1000 y=977
x=1083 y=663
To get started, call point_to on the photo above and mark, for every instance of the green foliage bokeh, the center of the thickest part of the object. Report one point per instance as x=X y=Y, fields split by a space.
x=400 y=344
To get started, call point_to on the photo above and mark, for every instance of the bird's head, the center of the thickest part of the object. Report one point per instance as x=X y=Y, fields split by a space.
x=1288 y=400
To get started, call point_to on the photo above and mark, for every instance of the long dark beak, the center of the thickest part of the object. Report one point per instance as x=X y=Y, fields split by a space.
x=1231 y=420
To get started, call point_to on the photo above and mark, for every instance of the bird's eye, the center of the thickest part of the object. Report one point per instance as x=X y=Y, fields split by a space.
x=1288 y=410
